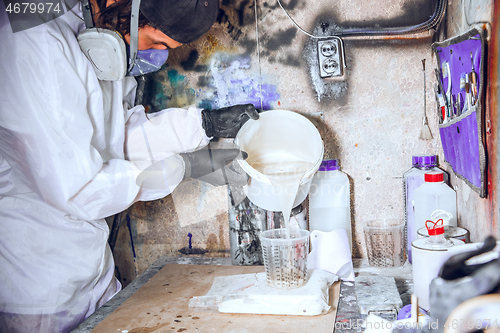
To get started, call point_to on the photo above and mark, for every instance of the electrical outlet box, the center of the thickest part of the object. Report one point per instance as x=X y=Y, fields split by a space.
x=330 y=56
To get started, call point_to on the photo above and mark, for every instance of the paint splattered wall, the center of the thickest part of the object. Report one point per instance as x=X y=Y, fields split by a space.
x=370 y=120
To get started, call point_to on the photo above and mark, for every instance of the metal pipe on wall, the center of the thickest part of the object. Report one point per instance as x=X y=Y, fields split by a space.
x=432 y=22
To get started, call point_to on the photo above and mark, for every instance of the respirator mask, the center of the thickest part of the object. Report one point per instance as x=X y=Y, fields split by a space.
x=107 y=52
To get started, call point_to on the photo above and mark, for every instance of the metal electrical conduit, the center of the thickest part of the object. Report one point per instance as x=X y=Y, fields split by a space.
x=433 y=21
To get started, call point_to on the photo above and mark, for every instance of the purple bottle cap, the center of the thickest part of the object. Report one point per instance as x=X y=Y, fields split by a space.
x=424 y=161
x=329 y=165
x=405 y=312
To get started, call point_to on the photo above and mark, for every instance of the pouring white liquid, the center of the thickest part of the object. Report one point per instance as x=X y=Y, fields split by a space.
x=284 y=151
x=286 y=180
x=285 y=174
x=275 y=143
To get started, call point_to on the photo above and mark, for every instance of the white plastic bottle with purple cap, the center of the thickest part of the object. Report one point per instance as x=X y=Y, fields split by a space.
x=329 y=200
x=412 y=179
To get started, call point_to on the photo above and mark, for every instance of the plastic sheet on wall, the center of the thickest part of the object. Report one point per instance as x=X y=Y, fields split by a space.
x=460 y=88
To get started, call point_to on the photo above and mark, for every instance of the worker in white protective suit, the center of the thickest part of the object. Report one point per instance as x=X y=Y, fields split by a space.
x=74 y=149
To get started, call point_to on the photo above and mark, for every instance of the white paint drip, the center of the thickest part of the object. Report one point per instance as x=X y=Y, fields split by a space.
x=205 y=188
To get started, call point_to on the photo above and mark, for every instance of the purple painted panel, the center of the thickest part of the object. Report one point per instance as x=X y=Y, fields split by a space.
x=449 y=154
x=474 y=172
x=461 y=140
x=460 y=146
x=455 y=141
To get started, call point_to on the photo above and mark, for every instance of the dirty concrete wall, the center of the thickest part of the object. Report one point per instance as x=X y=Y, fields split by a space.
x=370 y=120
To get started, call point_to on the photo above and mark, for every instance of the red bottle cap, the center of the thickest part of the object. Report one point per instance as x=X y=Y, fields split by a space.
x=434 y=177
x=435 y=228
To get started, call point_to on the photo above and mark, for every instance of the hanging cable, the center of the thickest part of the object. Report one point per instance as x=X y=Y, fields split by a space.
x=258 y=52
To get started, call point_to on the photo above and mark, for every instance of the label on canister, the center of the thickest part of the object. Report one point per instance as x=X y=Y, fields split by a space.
x=449 y=232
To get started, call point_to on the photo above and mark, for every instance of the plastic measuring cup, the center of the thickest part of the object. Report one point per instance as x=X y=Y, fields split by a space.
x=285 y=259
x=385 y=242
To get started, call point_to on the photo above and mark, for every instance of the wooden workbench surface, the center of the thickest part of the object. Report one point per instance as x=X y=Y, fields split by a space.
x=161 y=305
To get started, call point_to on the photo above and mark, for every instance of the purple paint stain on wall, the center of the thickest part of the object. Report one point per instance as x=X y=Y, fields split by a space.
x=236 y=83
x=252 y=92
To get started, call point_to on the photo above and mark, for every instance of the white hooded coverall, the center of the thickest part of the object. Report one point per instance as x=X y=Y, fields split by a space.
x=71 y=148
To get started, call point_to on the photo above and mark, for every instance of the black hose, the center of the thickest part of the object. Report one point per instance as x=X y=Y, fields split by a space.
x=113 y=233
x=433 y=21
x=117 y=220
x=139 y=93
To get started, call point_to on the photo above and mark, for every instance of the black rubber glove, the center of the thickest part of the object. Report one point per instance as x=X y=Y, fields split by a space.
x=455 y=267
x=226 y=122
x=214 y=166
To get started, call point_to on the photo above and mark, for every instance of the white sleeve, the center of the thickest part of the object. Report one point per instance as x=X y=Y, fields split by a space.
x=153 y=143
x=156 y=136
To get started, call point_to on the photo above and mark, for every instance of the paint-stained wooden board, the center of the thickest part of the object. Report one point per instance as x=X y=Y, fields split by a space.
x=161 y=305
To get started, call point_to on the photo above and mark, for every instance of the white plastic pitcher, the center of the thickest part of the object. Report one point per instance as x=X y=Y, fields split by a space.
x=278 y=137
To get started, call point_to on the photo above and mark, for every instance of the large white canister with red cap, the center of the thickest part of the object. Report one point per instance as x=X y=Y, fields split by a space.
x=429 y=254
x=431 y=196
